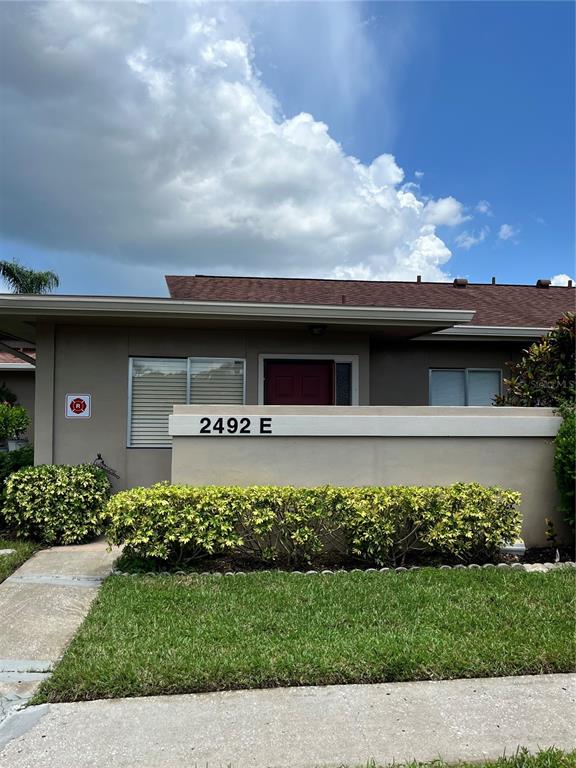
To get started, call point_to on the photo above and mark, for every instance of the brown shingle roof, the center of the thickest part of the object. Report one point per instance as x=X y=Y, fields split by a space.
x=500 y=305
x=7 y=358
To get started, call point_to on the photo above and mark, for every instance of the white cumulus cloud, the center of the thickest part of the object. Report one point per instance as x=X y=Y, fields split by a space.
x=446 y=211
x=484 y=207
x=562 y=279
x=508 y=232
x=144 y=133
x=467 y=240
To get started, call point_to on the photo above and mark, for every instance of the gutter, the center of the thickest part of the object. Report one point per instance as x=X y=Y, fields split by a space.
x=106 y=307
x=480 y=332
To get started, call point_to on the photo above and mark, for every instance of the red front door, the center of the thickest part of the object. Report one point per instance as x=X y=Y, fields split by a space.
x=299 y=382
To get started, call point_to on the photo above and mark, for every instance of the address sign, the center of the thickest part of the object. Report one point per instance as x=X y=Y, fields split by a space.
x=232 y=425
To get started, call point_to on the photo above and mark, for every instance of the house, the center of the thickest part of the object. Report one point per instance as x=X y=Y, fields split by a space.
x=124 y=362
x=17 y=373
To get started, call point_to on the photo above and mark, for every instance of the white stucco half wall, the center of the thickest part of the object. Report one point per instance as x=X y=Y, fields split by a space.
x=374 y=421
x=394 y=445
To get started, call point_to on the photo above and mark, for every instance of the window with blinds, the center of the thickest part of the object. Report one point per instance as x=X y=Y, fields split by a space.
x=157 y=384
x=464 y=386
x=214 y=381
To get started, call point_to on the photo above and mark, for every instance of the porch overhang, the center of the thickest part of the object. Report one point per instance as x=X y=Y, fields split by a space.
x=19 y=314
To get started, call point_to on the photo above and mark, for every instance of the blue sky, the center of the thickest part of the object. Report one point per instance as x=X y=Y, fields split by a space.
x=474 y=101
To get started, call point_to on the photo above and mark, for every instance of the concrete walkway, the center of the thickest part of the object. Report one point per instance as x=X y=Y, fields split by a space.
x=300 y=727
x=42 y=605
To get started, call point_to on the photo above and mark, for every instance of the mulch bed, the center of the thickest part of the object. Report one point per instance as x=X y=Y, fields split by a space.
x=227 y=564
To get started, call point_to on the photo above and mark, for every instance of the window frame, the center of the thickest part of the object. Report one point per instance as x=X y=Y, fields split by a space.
x=187 y=360
x=466 y=371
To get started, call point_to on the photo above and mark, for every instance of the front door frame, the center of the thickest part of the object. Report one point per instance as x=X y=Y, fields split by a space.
x=353 y=359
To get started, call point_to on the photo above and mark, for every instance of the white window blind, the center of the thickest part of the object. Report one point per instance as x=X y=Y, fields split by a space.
x=464 y=386
x=214 y=381
x=157 y=384
x=483 y=386
x=447 y=387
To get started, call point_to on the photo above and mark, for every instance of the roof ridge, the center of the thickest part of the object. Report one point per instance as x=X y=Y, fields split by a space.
x=352 y=281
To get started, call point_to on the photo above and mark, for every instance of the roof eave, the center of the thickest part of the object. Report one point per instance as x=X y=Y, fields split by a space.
x=487 y=332
x=53 y=307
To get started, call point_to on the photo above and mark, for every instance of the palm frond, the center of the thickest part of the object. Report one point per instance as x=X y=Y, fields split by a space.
x=24 y=280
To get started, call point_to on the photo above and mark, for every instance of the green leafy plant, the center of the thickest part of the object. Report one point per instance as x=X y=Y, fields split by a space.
x=551 y=535
x=56 y=504
x=14 y=421
x=545 y=376
x=466 y=521
x=565 y=465
x=6 y=395
x=288 y=525
x=11 y=462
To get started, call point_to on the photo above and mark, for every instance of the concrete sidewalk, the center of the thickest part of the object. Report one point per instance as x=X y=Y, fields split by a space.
x=300 y=727
x=42 y=605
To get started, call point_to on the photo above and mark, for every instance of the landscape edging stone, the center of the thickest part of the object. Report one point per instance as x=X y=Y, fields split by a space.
x=526 y=567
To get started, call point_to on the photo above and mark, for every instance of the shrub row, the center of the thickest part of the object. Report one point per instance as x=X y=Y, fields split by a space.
x=284 y=525
x=295 y=525
x=56 y=504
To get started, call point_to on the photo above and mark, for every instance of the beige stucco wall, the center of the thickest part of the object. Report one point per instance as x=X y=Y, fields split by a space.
x=399 y=372
x=520 y=463
x=94 y=359
x=22 y=384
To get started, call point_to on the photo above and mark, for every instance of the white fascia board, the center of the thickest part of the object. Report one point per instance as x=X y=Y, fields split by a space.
x=96 y=306
x=486 y=332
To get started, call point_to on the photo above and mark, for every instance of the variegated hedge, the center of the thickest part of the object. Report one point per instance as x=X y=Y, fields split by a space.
x=286 y=525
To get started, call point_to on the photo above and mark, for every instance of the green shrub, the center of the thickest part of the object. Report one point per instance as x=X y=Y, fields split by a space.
x=166 y=521
x=546 y=374
x=56 y=504
x=288 y=525
x=565 y=465
x=294 y=525
x=14 y=421
x=12 y=461
x=466 y=521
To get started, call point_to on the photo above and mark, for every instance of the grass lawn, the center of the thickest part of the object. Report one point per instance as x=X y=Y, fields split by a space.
x=176 y=634
x=547 y=758
x=9 y=563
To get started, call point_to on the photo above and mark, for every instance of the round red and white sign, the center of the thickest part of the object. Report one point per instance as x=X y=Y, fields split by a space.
x=78 y=406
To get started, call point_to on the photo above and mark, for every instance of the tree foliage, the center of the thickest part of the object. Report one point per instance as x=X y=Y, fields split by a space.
x=546 y=377
x=545 y=374
x=25 y=280
x=565 y=465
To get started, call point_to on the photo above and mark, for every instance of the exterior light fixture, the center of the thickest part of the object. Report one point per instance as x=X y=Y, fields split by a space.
x=317 y=330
